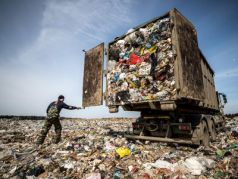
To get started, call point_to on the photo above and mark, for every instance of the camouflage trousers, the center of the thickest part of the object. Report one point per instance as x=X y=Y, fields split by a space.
x=45 y=129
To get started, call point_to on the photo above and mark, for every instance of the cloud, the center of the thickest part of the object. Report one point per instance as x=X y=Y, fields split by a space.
x=228 y=73
x=70 y=25
x=67 y=27
x=53 y=63
x=90 y=17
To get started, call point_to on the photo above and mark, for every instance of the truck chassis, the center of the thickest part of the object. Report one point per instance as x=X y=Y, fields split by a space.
x=176 y=127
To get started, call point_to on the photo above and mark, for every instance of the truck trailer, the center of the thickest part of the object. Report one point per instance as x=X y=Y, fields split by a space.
x=158 y=69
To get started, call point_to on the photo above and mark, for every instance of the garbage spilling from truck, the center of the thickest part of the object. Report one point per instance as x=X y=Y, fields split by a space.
x=141 y=65
x=97 y=149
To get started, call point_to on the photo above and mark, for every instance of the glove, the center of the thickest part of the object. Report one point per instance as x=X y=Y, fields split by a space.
x=80 y=107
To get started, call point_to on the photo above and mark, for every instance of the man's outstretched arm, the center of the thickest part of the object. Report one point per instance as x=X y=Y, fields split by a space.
x=65 y=106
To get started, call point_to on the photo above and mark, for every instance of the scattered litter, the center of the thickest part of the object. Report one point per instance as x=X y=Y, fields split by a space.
x=97 y=149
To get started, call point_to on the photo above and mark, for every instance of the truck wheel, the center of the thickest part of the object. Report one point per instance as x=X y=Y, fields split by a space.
x=213 y=131
x=205 y=137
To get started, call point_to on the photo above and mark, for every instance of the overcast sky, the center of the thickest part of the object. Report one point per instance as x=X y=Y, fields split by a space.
x=41 y=43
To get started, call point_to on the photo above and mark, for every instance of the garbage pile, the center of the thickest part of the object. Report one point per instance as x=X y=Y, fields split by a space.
x=141 y=65
x=96 y=149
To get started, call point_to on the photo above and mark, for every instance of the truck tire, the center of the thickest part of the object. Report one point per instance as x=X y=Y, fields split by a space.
x=205 y=137
x=213 y=133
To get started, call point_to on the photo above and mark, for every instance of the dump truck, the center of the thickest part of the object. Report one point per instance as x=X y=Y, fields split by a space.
x=157 y=69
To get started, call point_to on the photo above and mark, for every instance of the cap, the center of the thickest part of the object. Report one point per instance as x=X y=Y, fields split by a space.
x=61 y=97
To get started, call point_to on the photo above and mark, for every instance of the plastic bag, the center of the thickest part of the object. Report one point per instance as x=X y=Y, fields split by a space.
x=123 y=151
x=134 y=59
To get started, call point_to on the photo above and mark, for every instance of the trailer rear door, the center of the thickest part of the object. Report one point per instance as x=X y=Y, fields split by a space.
x=93 y=76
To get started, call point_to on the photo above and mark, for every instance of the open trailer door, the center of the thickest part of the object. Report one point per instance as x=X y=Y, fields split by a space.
x=93 y=76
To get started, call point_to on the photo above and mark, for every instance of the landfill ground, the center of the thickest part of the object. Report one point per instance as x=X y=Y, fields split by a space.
x=94 y=149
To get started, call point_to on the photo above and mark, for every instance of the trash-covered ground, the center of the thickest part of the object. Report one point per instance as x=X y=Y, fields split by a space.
x=95 y=149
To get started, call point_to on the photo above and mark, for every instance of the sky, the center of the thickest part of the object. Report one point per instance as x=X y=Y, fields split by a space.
x=41 y=45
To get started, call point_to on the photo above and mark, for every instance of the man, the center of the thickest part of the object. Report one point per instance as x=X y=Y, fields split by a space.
x=53 y=111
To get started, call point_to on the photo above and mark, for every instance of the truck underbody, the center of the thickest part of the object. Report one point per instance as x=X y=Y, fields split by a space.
x=176 y=127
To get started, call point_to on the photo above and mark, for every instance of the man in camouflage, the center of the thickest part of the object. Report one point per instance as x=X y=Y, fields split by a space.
x=53 y=111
